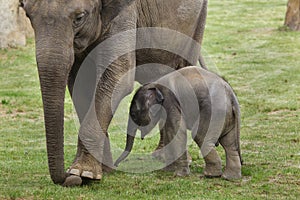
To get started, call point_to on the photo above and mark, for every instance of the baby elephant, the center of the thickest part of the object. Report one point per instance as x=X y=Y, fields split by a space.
x=195 y=99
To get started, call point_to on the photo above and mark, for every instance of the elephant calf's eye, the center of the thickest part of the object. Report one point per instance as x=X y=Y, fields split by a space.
x=79 y=19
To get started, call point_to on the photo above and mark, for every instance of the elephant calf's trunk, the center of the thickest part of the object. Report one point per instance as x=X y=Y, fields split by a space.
x=128 y=148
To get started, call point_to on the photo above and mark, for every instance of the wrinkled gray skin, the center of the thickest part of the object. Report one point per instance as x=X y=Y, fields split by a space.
x=161 y=100
x=66 y=31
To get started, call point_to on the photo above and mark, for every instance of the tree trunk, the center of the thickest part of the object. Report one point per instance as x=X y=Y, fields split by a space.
x=292 y=18
x=14 y=25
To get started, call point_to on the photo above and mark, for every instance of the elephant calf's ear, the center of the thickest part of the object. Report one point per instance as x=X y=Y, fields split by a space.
x=159 y=98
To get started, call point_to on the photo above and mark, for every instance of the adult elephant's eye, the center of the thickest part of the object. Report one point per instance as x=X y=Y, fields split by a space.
x=79 y=19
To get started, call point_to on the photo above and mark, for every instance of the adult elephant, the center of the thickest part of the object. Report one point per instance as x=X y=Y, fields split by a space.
x=66 y=31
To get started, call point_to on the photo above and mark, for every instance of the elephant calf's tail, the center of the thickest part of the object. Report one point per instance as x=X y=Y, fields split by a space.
x=237 y=115
x=202 y=62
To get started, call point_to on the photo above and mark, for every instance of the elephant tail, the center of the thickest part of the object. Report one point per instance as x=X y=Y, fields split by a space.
x=202 y=62
x=237 y=115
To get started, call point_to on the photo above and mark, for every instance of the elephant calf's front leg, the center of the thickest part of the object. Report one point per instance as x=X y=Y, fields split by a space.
x=158 y=152
x=175 y=150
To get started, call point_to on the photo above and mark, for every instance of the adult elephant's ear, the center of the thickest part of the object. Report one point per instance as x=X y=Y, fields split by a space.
x=111 y=8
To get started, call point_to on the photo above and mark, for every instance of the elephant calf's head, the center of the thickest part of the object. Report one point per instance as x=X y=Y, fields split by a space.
x=145 y=108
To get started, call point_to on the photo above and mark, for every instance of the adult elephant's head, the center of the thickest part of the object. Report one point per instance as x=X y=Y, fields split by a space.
x=63 y=29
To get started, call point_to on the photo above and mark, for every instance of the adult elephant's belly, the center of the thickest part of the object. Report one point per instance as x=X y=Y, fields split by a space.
x=155 y=63
x=166 y=36
x=177 y=15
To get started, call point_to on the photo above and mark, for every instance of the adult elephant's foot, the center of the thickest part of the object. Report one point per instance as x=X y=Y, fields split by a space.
x=107 y=169
x=86 y=166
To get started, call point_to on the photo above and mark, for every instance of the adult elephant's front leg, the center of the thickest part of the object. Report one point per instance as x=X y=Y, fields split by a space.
x=115 y=78
x=116 y=83
x=93 y=146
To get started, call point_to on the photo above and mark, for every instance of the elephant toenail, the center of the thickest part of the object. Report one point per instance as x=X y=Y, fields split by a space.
x=74 y=172
x=87 y=174
x=99 y=176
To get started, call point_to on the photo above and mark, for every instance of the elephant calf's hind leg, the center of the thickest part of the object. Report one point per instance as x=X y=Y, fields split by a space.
x=213 y=165
x=233 y=159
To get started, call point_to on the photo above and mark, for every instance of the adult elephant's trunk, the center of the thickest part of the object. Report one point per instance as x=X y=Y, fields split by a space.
x=131 y=132
x=54 y=59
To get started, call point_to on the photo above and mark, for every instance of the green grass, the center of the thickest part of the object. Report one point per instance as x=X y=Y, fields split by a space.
x=245 y=42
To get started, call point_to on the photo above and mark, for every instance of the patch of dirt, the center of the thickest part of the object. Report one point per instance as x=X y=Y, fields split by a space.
x=292 y=163
x=12 y=113
x=3 y=56
x=264 y=30
x=284 y=113
x=284 y=179
x=2 y=111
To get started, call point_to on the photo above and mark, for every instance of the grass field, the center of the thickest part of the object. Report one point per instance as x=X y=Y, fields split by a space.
x=244 y=42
